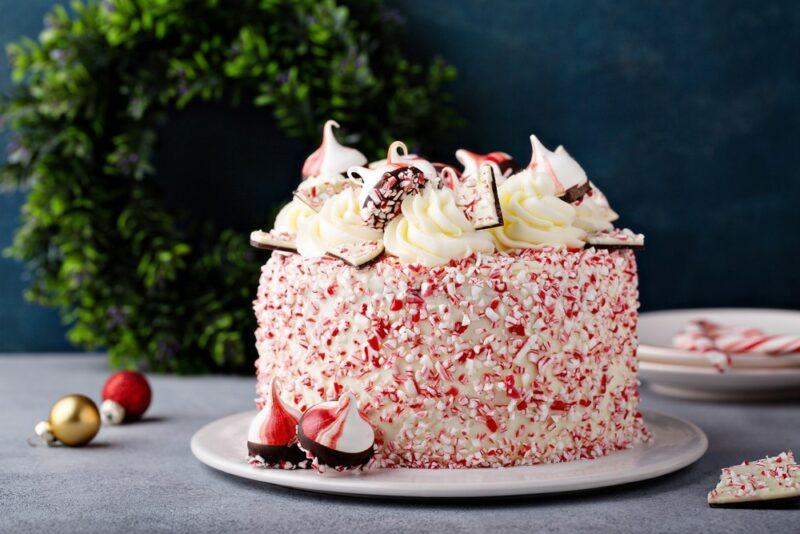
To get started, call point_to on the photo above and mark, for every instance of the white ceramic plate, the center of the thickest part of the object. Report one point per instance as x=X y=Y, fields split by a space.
x=676 y=444
x=692 y=382
x=656 y=330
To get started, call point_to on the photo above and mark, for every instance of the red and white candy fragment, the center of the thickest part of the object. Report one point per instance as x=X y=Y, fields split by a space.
x=273 y=240
x=337 y=434
x=477 y=195
x=358 y=254
x=331 y=158
x=272 y=436
x=383 y=197
x=615 y=238
x=472 y=162
x=313 y=192
x=758 y=483
x=569 y=177
x=697 y=336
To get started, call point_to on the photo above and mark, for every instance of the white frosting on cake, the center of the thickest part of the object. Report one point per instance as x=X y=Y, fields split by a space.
x=292 y=216
x=593 y=213
x=533 y=215
x=498 y=359
x=337 y=223
x=433 y=230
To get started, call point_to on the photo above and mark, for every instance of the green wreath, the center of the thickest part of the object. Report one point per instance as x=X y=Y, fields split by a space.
x=126 y=274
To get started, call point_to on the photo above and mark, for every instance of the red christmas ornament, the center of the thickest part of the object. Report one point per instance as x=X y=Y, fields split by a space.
x=126 y=396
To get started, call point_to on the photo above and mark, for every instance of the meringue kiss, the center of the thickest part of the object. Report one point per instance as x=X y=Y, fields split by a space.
x=331 y=158
x=569 y=177
x=472 y=162
x=273 y=432
x=337 y=433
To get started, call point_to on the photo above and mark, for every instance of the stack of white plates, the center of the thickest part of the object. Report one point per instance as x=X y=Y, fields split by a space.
x=691 y=375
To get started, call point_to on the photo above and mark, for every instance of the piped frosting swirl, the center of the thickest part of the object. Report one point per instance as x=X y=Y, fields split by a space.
x=433 y=230
x=534 y=216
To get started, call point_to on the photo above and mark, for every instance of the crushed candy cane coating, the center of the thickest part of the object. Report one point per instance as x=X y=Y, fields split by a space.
x=492 y=360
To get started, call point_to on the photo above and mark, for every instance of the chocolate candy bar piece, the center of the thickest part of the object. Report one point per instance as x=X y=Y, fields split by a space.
x=477 y=196
x=383 y=200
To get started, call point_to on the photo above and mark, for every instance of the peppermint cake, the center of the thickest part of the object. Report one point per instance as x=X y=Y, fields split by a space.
x=481 y=317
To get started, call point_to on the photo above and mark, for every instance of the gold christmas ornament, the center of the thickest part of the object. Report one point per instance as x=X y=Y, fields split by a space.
x=74 y=420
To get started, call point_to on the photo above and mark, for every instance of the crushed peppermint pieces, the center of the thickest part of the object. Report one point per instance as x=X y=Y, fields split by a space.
x=315 y=191
x=491 y=360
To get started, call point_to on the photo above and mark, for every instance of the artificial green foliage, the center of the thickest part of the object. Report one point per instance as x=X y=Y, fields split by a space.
x=155 y=290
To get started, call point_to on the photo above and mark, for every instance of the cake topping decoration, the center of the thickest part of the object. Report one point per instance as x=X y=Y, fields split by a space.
x=331 y=158
x=477 y=195
x=292 y=216
x=358 y=254
x=593 y=212
x=337 y=434
x=273 y=240
x=534 y=216
x=337 y=223
x=472 y=162
x=272 y=436
x=567 y=175
x=314 y=191
x=433 y=230
x=382 y=200
x=615 y=239
x=753 y=483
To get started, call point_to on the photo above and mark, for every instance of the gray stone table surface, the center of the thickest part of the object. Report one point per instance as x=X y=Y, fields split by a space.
x=143 y=477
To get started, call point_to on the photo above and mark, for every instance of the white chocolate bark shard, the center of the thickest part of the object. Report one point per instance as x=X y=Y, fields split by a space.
x=273 y=240
x=614 y=239
x=769 y=479
x=358 y=254
x=477 y=196
x=313 y=192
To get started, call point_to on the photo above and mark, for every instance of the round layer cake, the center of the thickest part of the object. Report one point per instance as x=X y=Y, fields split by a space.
x=508 y=358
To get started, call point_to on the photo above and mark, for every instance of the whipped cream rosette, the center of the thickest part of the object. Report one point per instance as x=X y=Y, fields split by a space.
x=337 y=223
x=534 y=216
x=433 y=230
x=272 y=436
x=568 y=176
x=593 y=213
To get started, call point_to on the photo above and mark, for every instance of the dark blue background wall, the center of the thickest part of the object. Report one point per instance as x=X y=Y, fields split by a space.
x=687 y=114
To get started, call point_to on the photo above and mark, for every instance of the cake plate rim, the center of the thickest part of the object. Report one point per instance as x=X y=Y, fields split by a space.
x=676 y=444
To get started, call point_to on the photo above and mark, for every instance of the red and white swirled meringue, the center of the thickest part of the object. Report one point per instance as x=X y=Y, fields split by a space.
x=276 y=422
x=565 y=172
x=331 y=158
x=337 y=223
x=339 y=425
x=492 y=360
x=395 y=159
x=432 y=230
x=533 y=216
x=472 y=161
